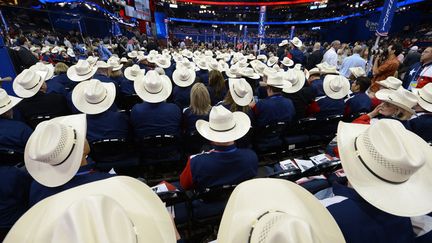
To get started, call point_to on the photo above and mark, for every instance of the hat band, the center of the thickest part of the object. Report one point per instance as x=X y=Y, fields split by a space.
x=336 y=91
x=235 y=92
x=370 y=170
x=34 y=86
x=71 y=150
x=425 y=100
x=10 y=101
x=151 y=92
x=98 y=102
x=223 y=130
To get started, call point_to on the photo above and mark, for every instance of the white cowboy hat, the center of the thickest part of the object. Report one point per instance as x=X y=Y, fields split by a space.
x=263 y=46
x=54 y=151
x=187 y=64
x=214 y=65
x=70 y=52
x=187 y=53
x=208 y=53
x=114 y=63
x=224 y=125
x=250 y=57
x=48 y=68
x=287 y=62
x=276 y=80
x=92 y=60
x=272 y=61
x=276 y=210
x=201 y=63
x=262 y=58
x=177 y=57
x=28 y=83
x=283 y=43
x=123 y=60
x=326 y=68
x=240 y=91
x=117 y=209
x=296 y=42
x=391 y=83
x=183 y=77
x=93 y=96
x=357 y=72
x=401 y=98
x=132 y=54
x=336 y=86
x=45 y=49
x=314 y=71
x=296 y=78
x=233 y=71
x=55 y=50
x=224 y=65
x=160 y=70
x=133 y=72
x=277 y=68
x=152 y=87
x=102 y=64
x=249 y=73
x=424 y=97
x=81 y=71
x=387 y=159
x=259 y=67
x=269 y=71
x=7 y=102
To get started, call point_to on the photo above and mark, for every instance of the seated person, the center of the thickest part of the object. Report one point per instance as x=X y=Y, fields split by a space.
x=56 y=168
x=275 y=108
x=216 y=86
x=239 y=96
x=225 y=164
x=369 y=154
x=130 y=74
x=52 y=85
x=103 y=73
x=31 y=86
x=199 y=108
x=96 y=99
x=13 y=134
x=359 y=101
x=301 y=95
x=183 y=79
x=154 y=116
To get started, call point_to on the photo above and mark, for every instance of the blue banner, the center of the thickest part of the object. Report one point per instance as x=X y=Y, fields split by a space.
x=386 y=18
x=166 y=28
x=292 y=32
x=261 y=28
x=148 y=29
x=214 y=35
x=245 y=33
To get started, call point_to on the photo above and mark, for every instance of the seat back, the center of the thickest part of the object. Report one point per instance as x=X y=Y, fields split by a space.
x=35 y=120
x=194 y=143
x=126 y=102
x=215 y=193
x=159 y=148
x=11 y=157
x=117 y=152
x=269 y=136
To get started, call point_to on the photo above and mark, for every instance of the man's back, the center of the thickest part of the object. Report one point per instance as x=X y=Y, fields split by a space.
x=43 y=104
x=273 y=109
x=330 y=56
x=14 y=134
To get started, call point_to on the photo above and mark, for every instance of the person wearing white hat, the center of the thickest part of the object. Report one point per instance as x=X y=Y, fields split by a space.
x=225 y=164
x=262 y=58
x=118 y=209
x=14 y=134
x=272 y=61
x=274 y=108
x=356 y=72
x=56 y=157
x=298 y=56
x=104 y=71
x=203 y=73
x=358 y=102
x=397 y=104
x=183 y=79
x=287 y=62
x=96 y=99
x=296 y=78
x=276 y=210
x=381 y=159
x=154 y=116
x=199 y=108
x=81 y=71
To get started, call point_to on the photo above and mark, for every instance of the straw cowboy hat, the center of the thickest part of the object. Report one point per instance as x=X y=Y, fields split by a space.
x=7 y=102
x=117 y=209
x=224 y=125
x=276 y=80
x=92 y=60
x=55 y=50
x=258 y=66
x=250 y=57
x=184 y=77
x=272 y=61
x=224 y=65
x=283 y=43
x=326 y=68
x=102 y=64
x=233 y=71
x=187 y=64
x=296 y=42
x=70 y=52
x=241 y=91
x=81 y=71
x=262 y=58
x=187 y=53
x=401 y=98
x=387 y=159
x=214 y=65
x=201 y=63
x=152 y=87
x=263 y=46
x=336 y=86
x=391 y=83
x=133 y=72
x=123 y=60
x=54 y=151
x=286 y=61
x=357 y=72
x=114 y=63
x=424 y=97
x=93 y=96
x=314 y=71
x=249 y=73
x=208 y=53
x=276 y=211
x=28 y=83
x=177 y=57
x=48 y=68
x=132 y=54
x=296 y=78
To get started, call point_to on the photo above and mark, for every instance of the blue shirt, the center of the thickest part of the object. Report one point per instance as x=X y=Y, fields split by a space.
x=85 y=175
x=14 y=193
x=64 y=80
x=107 y=125
x=181 y=96
x=189 y=120
x=297 y=56
x=421 y=125
x=14 y=134
x=149 y=119
x=103 y=52
x=105 y=79
x=204 y=76
x=358 y=103
x=361 y=222
x=222 y=166
x=273 y=109
x=352 y=61
x=215 y=99
x=329 y=107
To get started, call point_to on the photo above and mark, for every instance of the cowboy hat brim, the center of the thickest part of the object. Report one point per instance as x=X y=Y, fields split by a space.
x=411 y=198
x=241 y=128
x=383 y=95
x=129 y=76
x=73 y=75
x=53 y=176
x=79 y=101
x=27 y=93
x=13 y=102
x=422 y=102
x=241 y=101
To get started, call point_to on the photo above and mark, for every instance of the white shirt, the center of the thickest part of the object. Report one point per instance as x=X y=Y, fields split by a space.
x=331 y=57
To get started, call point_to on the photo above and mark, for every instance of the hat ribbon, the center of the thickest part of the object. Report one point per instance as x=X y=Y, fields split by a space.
x=6 y=103
x=370 y=170
x=225 y=130
x=35 y=84
x=71 y=150
x=419 y=96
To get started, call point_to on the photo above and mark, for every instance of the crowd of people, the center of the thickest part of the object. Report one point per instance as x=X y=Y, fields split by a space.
x=69 y=95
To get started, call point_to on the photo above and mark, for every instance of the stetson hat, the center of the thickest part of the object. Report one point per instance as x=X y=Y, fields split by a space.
x=132 y=73
x=28 y=83
x=296 y=78
x=241 y=91
x=424 y=97
x=401 y=98
x=336 y=86
x=283 y=43
x=81 y=71
x=7 y=102
x=93 y=96
x=184 y=77
x=152 y=87
x=296 y=42
x=48 y=68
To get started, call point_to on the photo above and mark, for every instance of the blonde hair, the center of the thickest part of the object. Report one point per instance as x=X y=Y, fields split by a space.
x=60 y=68
x=200 y=99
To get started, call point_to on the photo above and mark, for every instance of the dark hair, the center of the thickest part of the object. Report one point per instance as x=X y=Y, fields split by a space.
x=217 y=82
x=363 y=82
x=21 y=40
x=275 y=89
x=397 y=48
